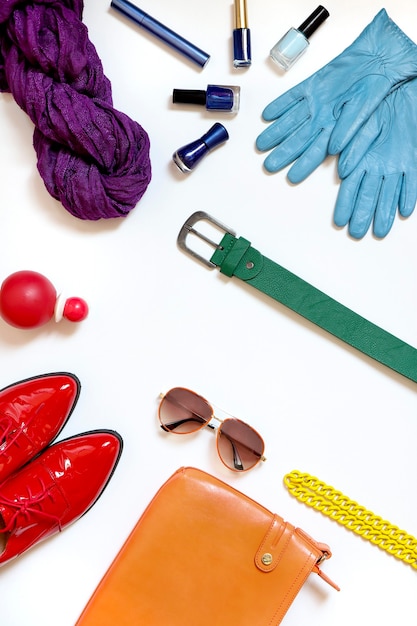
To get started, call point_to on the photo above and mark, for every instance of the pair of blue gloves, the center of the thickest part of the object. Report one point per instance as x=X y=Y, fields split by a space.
x=361 y=106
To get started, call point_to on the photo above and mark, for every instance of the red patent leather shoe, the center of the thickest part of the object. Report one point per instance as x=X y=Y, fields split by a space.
x=32 y=414
x=55 y=489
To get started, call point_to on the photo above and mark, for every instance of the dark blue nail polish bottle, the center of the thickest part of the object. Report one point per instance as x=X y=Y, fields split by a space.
x=242 y=52
x=215 y=98
x=187 y=157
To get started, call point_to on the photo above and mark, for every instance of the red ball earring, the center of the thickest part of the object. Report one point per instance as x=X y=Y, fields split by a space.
x=29 y=300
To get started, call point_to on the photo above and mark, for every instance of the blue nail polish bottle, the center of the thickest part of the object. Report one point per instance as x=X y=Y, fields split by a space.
x=215 y=98
x=242 y=49
x=292 y=45
x=187 y=157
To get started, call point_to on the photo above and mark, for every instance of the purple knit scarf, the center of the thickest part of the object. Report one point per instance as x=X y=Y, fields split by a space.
x=92 y=158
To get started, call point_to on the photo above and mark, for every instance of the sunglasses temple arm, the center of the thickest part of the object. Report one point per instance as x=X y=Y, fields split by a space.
x=237 y=461
x=172 y=425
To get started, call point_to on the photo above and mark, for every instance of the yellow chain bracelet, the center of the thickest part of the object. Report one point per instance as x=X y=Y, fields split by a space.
x=334 y=504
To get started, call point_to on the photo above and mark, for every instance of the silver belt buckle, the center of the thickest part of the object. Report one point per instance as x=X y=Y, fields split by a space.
x=188 y=229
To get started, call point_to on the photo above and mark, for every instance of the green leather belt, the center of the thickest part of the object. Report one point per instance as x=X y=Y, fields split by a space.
x=234 y=256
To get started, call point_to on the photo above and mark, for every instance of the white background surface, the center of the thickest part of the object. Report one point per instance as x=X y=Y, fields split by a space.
x=159 y=319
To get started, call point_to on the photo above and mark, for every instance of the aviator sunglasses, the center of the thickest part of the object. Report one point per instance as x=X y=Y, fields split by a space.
x=183 y=412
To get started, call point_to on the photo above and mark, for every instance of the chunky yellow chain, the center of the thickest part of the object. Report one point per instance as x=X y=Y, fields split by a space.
x=324 y=498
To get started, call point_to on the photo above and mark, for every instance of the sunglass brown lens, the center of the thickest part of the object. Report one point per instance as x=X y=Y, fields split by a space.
x=240 y=447
x=182 y=411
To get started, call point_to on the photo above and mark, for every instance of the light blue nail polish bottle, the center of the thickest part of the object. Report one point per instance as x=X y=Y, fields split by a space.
x=292 y=45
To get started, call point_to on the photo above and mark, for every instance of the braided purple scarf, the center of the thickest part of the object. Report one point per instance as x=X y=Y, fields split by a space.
x=92 y=158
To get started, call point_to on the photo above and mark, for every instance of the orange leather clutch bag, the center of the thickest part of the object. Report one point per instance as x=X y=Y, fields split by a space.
x=203 y=553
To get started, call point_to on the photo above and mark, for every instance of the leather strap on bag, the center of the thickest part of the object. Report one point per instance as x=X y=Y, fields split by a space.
x=235 y=256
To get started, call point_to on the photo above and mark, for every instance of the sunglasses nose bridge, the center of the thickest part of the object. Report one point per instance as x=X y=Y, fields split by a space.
x=216 y=419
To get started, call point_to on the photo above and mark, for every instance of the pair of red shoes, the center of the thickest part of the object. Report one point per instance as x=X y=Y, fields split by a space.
x=44 y=487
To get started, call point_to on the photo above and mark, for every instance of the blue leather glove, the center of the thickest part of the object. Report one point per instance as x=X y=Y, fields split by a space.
x=320 y=115
x=379 y=167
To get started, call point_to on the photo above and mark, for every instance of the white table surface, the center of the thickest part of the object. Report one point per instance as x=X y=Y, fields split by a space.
x=160 y=319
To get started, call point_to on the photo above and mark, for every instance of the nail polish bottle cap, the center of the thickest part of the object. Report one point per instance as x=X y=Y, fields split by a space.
x=189 y=96
x=313 y=21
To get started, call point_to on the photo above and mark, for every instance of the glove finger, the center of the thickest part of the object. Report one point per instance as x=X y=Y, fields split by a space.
x=296 y=144
x=311 y=158
x=363 y=141
x=377 y=199
x=408 y=196
x=288 y=123
x=287 y=101
x=358 y=104
x=388 y=201
x=279 y=158
x=271 y=136
x=356 y=202
x=346 y=198
x=291 y=148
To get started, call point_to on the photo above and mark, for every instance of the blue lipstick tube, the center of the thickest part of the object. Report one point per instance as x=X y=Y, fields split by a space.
x=162 y=32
